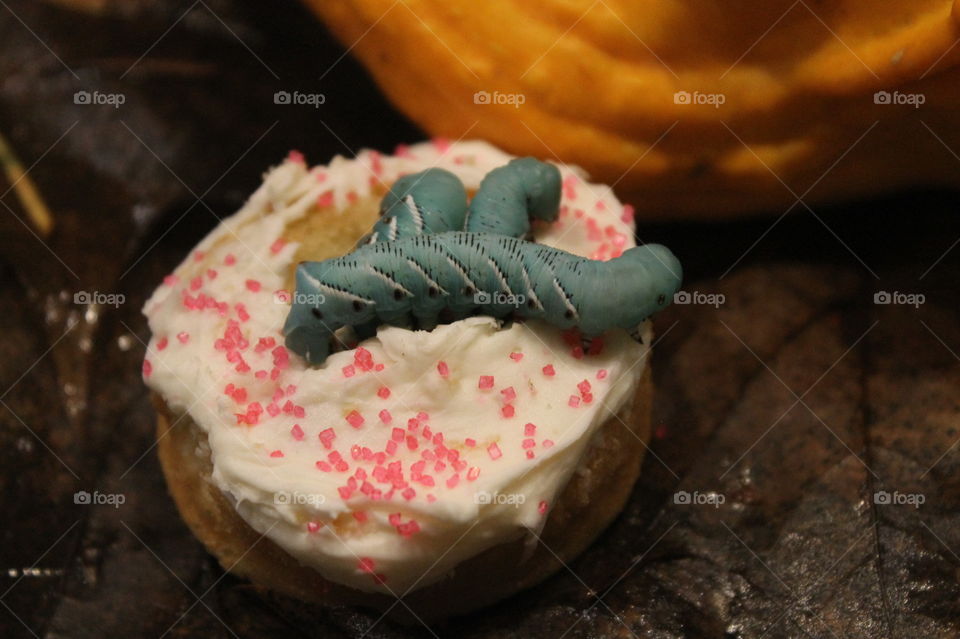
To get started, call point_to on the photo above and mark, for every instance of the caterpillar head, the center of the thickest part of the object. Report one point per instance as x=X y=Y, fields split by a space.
x=320 y=308
x=631 y=288
x=306 y=335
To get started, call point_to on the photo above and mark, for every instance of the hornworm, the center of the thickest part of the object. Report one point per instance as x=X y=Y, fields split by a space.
x=423 y=279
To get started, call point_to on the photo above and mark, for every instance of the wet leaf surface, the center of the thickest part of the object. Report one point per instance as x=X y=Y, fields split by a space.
x=801 y=421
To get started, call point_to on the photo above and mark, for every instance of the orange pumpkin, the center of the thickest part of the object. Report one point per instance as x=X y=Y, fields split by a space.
x=693 y=108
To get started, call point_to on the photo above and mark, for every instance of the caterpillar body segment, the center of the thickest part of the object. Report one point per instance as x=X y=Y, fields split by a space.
x=511 y=195
x=430 y=201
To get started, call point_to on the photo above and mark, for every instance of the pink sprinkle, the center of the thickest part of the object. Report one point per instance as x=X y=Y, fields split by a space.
x=529 y=443
x=548 y=370
x=587 y=398
x=494 y=451
x=325 y=199
x=230 y=259
x=507 y=410
x=198 y=256
x=577 y=352
x=547 y=443
x=443 y=369
x=184 y=337
x=147 y=368
x=409 y=528
x=529 y=429
x=530 y=454
x=486 y=382
x=253 y=285
x=584 y=387
x=409 y=493
x=349 y=371
x=602 y=373
x=355 y=419
x=278 y=245
x=516 y=356
x=297 y=432
x=397 y=435
x=295 y=156
x=412 y=443
x=162 y=344
x=470 y=442
x=383 y=393
x=508 y=394
x=196 y=283
x=473 y=473
x=542 y=507
x=212 y=273
x=385 y=416
x=453 y=480
x=277 y=453
x=627 y=214
x=360 y=515
x=313 y=526
x=365 y=564
x=170 y=280
x=574 y=401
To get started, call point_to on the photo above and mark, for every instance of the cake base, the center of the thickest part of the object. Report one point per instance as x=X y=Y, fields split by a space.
x=594 y=496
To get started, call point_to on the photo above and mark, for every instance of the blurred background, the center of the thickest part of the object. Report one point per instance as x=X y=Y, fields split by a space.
x=808 y=377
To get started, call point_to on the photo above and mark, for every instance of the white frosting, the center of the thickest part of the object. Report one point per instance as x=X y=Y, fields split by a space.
x=353 y=536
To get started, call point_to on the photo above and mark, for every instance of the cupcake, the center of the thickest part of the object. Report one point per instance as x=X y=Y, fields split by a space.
x=445 y=427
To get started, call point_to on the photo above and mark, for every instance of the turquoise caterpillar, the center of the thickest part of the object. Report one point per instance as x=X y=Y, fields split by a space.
x=408 y=274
